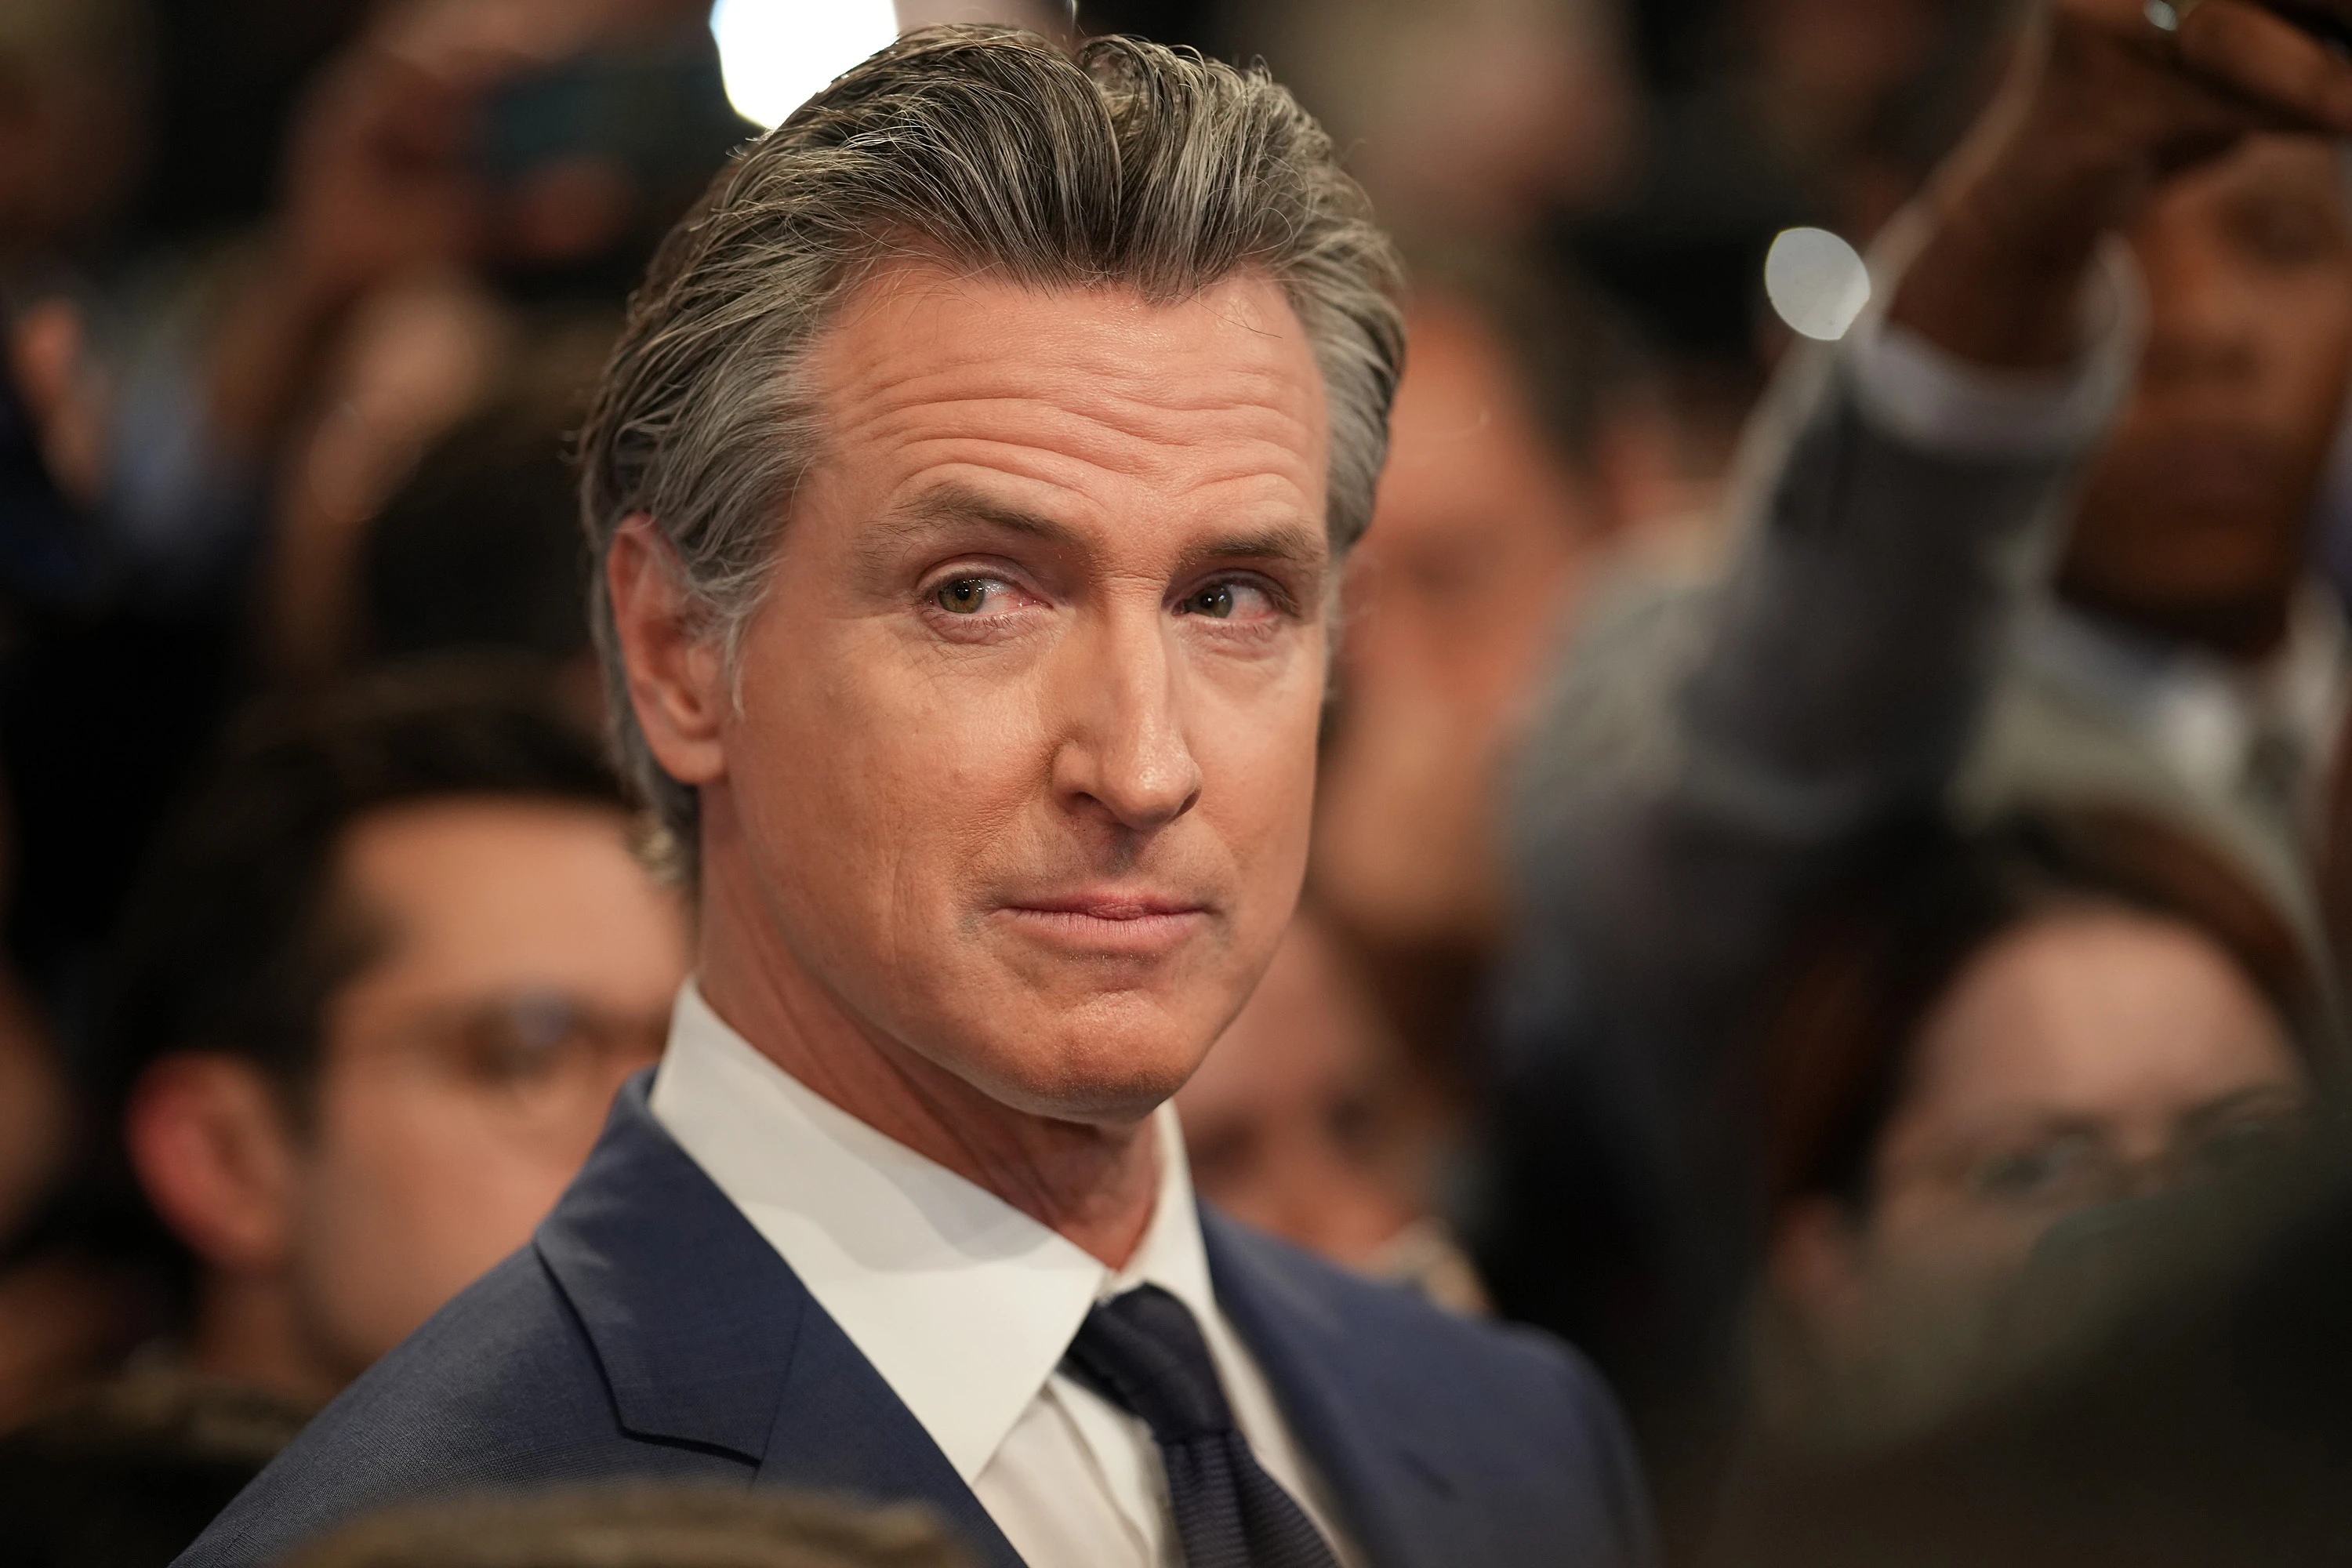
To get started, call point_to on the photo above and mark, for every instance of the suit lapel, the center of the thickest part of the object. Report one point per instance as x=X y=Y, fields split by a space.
x=1387 y=1490
x=708 y=1339
x=838 y=1427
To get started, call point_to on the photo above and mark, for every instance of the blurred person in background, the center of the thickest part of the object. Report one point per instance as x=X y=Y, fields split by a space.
x=1470 y=121
x=1761 y=116
x=471 y=191
x=386 y=973
x=478 y=550
x=1891 y=639
x=1520 y=452
x=462 y=196
x=1984 y=1035
x=644 y=1525
x=1303 y=1123
x=2169 y=1393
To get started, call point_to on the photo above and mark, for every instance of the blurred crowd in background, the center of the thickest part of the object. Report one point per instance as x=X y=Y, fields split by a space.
x=328 y=942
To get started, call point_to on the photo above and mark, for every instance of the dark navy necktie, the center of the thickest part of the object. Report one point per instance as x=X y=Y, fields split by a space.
x=1143 y=1352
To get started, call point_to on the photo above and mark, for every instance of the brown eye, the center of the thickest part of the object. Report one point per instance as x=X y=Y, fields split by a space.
x=964 y=596
x=1216 y=601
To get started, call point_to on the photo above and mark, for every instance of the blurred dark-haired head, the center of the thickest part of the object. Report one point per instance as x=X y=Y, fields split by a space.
x=1986 y=1035
x=641 y=1525
x=386 y=970
x=2194 y=519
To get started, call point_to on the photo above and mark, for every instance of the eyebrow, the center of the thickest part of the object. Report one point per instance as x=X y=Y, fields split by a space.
x=951 y=502
x=945 y=505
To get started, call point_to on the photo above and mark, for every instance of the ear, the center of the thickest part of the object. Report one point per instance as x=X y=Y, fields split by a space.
x=1816 y=1270
x=677 y=681
x=209 y=1140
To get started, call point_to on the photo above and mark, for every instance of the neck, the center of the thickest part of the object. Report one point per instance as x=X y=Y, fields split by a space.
x=1095 y=1185
x=248 y=1332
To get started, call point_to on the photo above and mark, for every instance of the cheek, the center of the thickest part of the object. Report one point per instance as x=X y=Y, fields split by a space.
x=415 y=1191
x=2312 y=346
x=1257 y=753
x=862 y=756
x=1950 y=1246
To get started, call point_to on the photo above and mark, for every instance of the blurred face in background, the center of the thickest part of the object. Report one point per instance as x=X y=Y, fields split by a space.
x=1454 y=600
x=526 y=966
x=2083 y=1058
x=2193 y=521
x=1296 y=1123
x=1461 y=117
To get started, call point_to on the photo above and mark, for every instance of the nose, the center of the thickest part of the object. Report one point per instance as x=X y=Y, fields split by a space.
x=1124 y=754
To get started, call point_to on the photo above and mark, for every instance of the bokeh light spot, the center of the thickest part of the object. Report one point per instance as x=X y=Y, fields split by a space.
x=1816 y=281
x=777 y=54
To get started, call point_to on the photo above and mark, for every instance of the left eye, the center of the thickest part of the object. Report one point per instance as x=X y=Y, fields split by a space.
x=966 y=596
x=1223 y=601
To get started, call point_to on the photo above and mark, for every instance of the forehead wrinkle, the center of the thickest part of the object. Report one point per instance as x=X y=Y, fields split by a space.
x=1266 y=474
x=1123 y=434
x=1092 y=378
x=1252 y=530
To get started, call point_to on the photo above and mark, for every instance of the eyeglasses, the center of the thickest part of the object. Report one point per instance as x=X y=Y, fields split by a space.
x=2081 y=1166
x=542 y=1058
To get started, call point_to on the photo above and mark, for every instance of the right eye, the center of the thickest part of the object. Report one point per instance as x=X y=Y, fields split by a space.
x=2058 y=1170
x=966 y=596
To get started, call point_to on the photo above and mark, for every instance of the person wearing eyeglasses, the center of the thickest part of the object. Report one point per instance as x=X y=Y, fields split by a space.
x=1990 y=1034
x=386 y=974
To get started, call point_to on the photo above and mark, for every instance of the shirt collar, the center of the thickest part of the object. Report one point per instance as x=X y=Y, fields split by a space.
x=964 y=1304
x=2203 y=713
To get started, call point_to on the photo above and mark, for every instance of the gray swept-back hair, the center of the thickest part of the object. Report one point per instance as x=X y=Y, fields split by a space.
x=1127 y=165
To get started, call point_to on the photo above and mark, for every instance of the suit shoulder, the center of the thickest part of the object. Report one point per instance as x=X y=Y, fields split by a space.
x=499 y=1388
x=1487 y=1360
x=1520 y=1422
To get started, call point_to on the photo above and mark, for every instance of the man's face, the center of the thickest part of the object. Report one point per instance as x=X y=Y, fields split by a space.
x=1021 y=767
x=2193 y=523
x=528 y=967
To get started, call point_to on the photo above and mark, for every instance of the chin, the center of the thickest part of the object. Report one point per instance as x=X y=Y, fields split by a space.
x=1074 y=1068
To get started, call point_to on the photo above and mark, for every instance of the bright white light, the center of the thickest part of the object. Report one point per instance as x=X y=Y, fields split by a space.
x=1816 y=282
x=776 y=54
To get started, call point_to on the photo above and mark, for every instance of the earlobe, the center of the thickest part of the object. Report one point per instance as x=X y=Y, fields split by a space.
x=1816 y=1267
x=208 y=1138
x=676 y=678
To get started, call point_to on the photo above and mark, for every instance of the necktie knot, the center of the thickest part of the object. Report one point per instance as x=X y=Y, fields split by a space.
x=1144 y=1353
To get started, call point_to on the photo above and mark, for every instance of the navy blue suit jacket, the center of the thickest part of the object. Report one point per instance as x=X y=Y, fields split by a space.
x=649 y=1330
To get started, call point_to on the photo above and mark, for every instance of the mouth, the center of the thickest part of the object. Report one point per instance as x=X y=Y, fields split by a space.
x=2212 y=469
x=1109 y=923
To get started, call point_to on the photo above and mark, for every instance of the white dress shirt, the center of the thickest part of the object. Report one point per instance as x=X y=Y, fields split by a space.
x=965 y=1305
x=2222 y=726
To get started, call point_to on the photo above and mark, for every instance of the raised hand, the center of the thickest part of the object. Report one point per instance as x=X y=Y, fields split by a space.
x=2108 y=100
